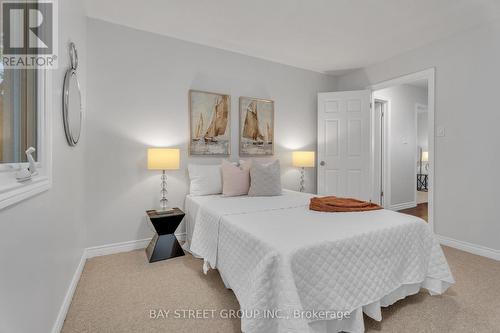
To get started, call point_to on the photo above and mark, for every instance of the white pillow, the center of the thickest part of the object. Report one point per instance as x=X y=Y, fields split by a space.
x=265 y=179
x=205 y=179
x=235 y=179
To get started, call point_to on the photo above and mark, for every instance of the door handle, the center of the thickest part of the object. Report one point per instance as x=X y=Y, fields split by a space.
x=322 y=163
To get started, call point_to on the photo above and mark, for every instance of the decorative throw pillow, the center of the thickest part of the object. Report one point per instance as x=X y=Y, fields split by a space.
x=265 y=179
x=235 y=179
x=205 y=179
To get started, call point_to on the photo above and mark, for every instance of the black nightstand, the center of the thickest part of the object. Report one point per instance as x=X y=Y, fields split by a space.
x=164 y=244
x=422 y=180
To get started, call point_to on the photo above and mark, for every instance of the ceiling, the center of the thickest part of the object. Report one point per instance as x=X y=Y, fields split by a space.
x=329 y=36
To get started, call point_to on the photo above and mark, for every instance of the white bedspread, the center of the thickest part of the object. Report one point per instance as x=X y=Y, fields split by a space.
x=278 y=255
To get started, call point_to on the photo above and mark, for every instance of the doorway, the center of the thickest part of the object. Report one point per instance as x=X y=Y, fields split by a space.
x=422 y=129
x=403 y=144
x=380 y=157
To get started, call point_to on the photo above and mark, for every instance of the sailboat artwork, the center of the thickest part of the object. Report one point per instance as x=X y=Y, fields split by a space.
x=256 y=127
x=199 y=129
x=210 y=125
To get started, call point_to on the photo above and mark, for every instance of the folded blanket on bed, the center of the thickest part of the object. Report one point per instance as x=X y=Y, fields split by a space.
x=336 y=204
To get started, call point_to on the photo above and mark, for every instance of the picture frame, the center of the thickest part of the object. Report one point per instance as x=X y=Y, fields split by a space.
x=209 y=123
x=256 y=127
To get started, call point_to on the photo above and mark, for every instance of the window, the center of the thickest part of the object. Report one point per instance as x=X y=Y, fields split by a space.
x=25 y=101
x=18 y=114
x=24 y=123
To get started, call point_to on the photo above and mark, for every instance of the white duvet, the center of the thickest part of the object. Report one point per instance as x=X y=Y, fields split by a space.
x=279 y=256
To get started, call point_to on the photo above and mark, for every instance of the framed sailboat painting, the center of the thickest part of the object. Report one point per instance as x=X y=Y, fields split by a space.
x=210 y=126
x=256 y=127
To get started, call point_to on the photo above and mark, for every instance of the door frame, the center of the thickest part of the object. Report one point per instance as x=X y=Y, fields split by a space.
x=385 y=156
x=429 y=75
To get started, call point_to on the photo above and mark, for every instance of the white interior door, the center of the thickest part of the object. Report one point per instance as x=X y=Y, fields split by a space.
x=344 y=144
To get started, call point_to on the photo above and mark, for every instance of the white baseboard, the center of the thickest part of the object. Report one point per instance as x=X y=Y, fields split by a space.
x=469 y=247
x=104 y=250
x=61 y=316
x=92 y=252
x=404 y=205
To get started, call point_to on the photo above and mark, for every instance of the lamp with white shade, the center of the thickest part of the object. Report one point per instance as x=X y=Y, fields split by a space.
x=163 y=159
x=424 y=157
x=302 y=160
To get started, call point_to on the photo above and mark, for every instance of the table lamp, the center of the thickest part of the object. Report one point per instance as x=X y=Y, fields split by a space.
x=424 y=157
x=302 y=160
x=163 y=159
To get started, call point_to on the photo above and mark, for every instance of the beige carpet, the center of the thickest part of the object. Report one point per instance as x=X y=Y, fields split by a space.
x=117 y=292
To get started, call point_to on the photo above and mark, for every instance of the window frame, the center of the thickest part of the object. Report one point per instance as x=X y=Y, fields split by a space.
x=12 y=191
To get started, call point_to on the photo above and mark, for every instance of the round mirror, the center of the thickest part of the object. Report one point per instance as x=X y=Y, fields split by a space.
x=72 y=101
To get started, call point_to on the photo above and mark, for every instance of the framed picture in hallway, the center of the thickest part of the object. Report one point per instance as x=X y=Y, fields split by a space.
x=256 y=127
x=210 y=126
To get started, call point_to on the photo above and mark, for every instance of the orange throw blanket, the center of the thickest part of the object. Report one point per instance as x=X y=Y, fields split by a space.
x=335 y=204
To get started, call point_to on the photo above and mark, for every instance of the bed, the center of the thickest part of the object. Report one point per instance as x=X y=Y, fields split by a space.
x=297 y=270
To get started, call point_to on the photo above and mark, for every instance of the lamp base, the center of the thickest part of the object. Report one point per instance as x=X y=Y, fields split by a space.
x=164 y=210
x=164 y=201
x=302 y=181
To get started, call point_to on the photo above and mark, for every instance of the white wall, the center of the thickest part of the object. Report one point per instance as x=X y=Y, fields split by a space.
x=402 y=140
x=140 y=99
x=467 y=190
x=42 y=238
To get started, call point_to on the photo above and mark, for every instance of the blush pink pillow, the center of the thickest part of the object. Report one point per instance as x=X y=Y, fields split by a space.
x=235 y=179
